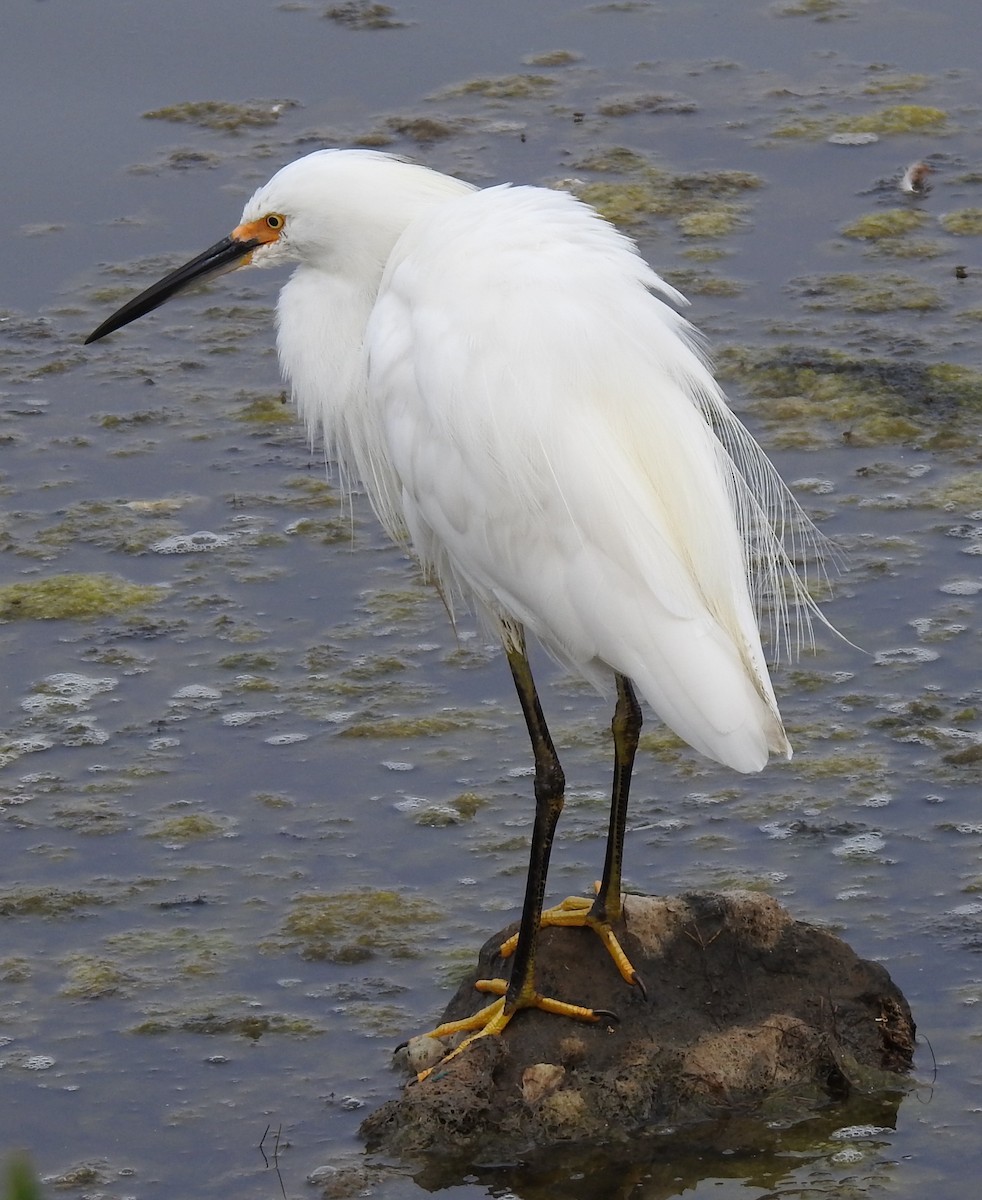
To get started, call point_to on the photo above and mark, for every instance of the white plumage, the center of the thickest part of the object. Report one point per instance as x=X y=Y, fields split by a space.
x=535 y=422
x=529 y=415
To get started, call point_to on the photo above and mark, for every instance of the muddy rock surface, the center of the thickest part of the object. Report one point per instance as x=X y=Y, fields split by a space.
x=748 y=1011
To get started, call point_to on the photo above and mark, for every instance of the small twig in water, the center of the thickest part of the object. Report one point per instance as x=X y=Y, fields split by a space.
x=276 y=1156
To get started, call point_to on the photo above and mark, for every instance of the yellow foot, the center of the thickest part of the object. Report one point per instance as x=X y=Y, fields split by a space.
x=493 y=1018
x=574 y=912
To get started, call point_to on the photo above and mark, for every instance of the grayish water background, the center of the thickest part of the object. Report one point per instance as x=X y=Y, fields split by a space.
x=88 y=182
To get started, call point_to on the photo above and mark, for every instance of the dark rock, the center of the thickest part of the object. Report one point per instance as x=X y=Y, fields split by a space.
x=748 y=1011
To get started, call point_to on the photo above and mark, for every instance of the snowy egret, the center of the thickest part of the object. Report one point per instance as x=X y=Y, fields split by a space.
x=536 y=424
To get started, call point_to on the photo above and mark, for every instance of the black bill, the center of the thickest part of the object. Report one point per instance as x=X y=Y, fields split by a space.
x=224 y=256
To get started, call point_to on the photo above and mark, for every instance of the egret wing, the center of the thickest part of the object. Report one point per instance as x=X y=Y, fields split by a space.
x=550 y=445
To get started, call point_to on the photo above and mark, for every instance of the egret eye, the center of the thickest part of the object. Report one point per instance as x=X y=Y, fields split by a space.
x=275 y=221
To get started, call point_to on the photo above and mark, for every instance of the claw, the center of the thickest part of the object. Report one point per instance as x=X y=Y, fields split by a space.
x=486 y=1022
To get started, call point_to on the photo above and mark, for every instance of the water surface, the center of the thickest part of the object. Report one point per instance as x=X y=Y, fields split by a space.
x=183 y=783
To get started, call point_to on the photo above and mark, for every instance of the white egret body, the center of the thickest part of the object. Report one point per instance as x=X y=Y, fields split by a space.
x=531 y=418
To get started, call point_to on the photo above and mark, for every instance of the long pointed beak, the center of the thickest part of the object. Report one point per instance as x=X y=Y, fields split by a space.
x=224 y=256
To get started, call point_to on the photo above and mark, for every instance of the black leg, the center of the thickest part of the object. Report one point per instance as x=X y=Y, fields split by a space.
x=626 y=728
x=550 y=785
x=519 y=992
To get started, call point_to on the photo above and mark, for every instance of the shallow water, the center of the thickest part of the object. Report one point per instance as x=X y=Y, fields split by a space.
x=292 y=717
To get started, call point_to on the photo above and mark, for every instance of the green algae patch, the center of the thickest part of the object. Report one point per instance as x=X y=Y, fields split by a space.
x=649 y=191
x=906 y=247
x=295 y=494
x=887 y=223
x=804 y=127
x=91 y=818
x=424 y=130
x=893 y=119
x=153 y=955
x=211 y=1024
x=73 y=596
x=375 y=666
x=819 y=10
x=221 y=114
x=914 y=715
x=553 y=58
x=310 y=489
x=971 y=756
x=704 y=254
x=82 y=1175
x=380 y=1020
x=645 y=102
x=274 y=800
x=350 y=927
x=897 y=118
x=94 y=979
x=467 y=805
x=407 y=727
x=806 y=398
x=624 y=204
x=267 y=410
x=853 y=767
x=130 y=528
x=953 y=386
x=891 y=83
x=613 y=160
x=249 y=661
x=504 y=87
x=692 y=282
x=885 y=429
x=963 y=493
x=802 y=680
x=436 y=816
x=880 y=293
x=965 y=222
x=191 y=827
x=134 y=420
x=666 y=746
x=715 y=222
x=255 y=683
x=394 y=605
x=359 y=14
x=15 y=970
x=326 y=530
x=46 y=902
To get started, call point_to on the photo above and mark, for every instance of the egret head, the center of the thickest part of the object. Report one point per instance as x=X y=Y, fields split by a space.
x=339 y=211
